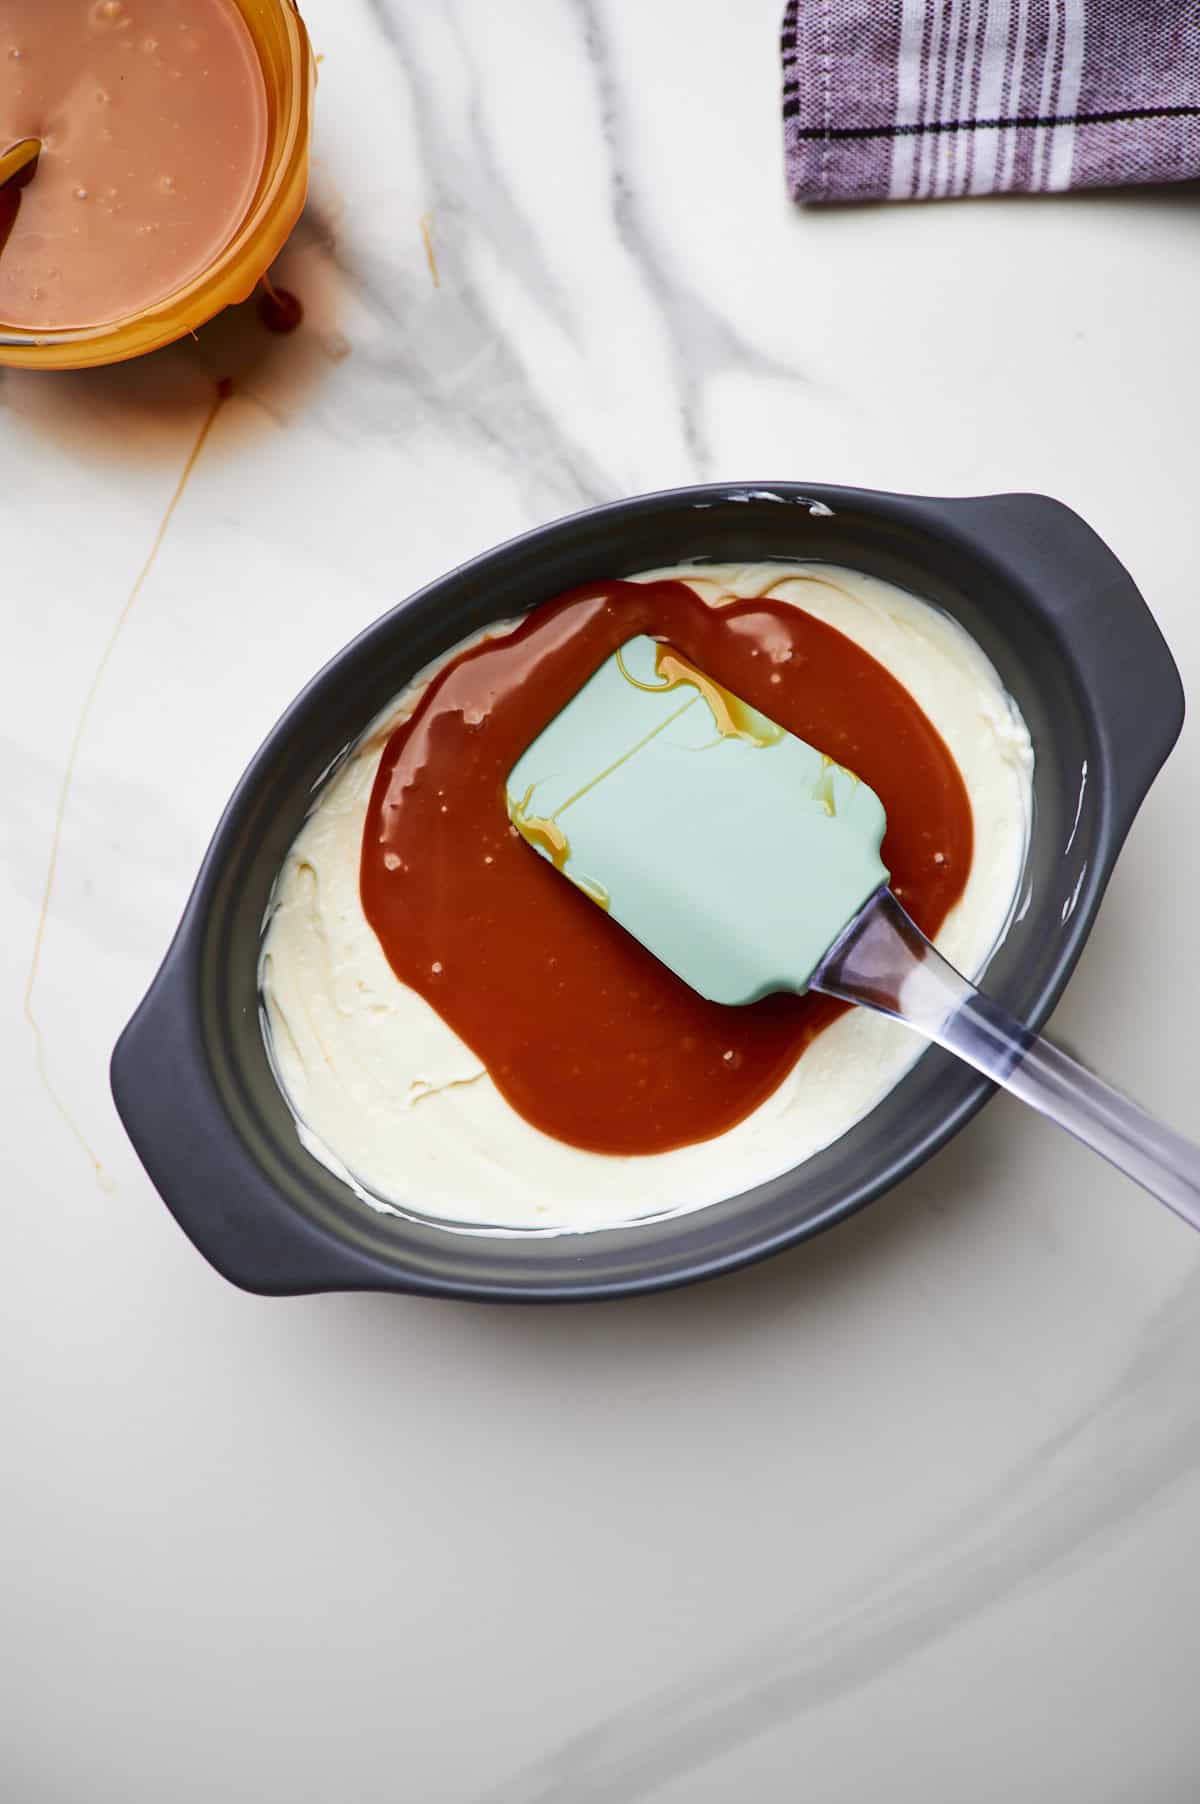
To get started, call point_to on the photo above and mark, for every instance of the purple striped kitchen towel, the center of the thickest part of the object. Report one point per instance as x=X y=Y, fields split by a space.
x=911 y=99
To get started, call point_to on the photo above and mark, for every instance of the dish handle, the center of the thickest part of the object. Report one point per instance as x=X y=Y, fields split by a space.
x=1132 y=687
x=234 y=1213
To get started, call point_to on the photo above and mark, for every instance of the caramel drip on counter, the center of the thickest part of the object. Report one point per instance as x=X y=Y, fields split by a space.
x=220 y=394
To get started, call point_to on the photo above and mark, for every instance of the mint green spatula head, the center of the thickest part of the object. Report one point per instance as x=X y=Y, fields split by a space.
x=732 y=850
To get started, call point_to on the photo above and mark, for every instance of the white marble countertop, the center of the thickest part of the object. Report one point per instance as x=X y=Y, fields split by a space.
x=908 y=1513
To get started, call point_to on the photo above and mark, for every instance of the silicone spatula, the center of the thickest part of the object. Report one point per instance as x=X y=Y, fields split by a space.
x=747 y=862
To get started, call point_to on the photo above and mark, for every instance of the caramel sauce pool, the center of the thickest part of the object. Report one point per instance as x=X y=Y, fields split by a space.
x=583 y=1031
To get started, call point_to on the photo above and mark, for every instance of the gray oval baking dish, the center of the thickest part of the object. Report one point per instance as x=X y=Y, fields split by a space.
x=1074 y=643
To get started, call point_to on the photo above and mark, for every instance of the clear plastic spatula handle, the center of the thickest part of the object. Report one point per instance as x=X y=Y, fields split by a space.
x=884 y=962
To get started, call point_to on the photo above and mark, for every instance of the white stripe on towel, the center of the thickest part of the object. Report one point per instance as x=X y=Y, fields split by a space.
x=993 y=63
x=1047 y=96
x=908 y=97
x=944 y=150
x=965 y=101
x=1012 y=105
x=1062 y=138
x=927 y=159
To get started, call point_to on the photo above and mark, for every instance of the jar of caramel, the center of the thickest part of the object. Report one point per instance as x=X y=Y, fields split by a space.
x=174 y=164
